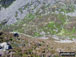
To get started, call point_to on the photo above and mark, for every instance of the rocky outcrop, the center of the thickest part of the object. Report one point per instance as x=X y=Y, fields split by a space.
x=20 y=8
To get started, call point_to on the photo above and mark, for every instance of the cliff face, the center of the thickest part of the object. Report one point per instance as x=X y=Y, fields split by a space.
x=20 y=8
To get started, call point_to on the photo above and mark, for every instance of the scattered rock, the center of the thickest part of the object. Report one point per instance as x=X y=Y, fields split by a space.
x=16 y=35
x=1 y=33
x=5 y=46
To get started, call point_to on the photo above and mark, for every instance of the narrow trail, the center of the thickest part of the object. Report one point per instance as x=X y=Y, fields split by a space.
x=64 y=46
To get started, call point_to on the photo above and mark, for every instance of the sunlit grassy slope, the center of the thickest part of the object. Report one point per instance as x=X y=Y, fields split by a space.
x=51 y=24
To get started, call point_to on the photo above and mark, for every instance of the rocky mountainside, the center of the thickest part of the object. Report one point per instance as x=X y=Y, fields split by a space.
x=33 y=17
x=20 y=8
x=37 y=28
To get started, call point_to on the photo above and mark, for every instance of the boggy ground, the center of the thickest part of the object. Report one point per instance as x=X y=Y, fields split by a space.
x=25 y=46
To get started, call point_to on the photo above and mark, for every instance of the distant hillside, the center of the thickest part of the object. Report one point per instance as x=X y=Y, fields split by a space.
x=40 y=18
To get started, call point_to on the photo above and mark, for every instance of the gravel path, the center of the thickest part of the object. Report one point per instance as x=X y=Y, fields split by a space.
x=72 y=14
x=65 y=41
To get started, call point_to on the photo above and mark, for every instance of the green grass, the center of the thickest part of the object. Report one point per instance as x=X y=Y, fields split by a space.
x=16 y=14
x=20 y=9
x=54 y=28
x=67 y=9
x=37 y=34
